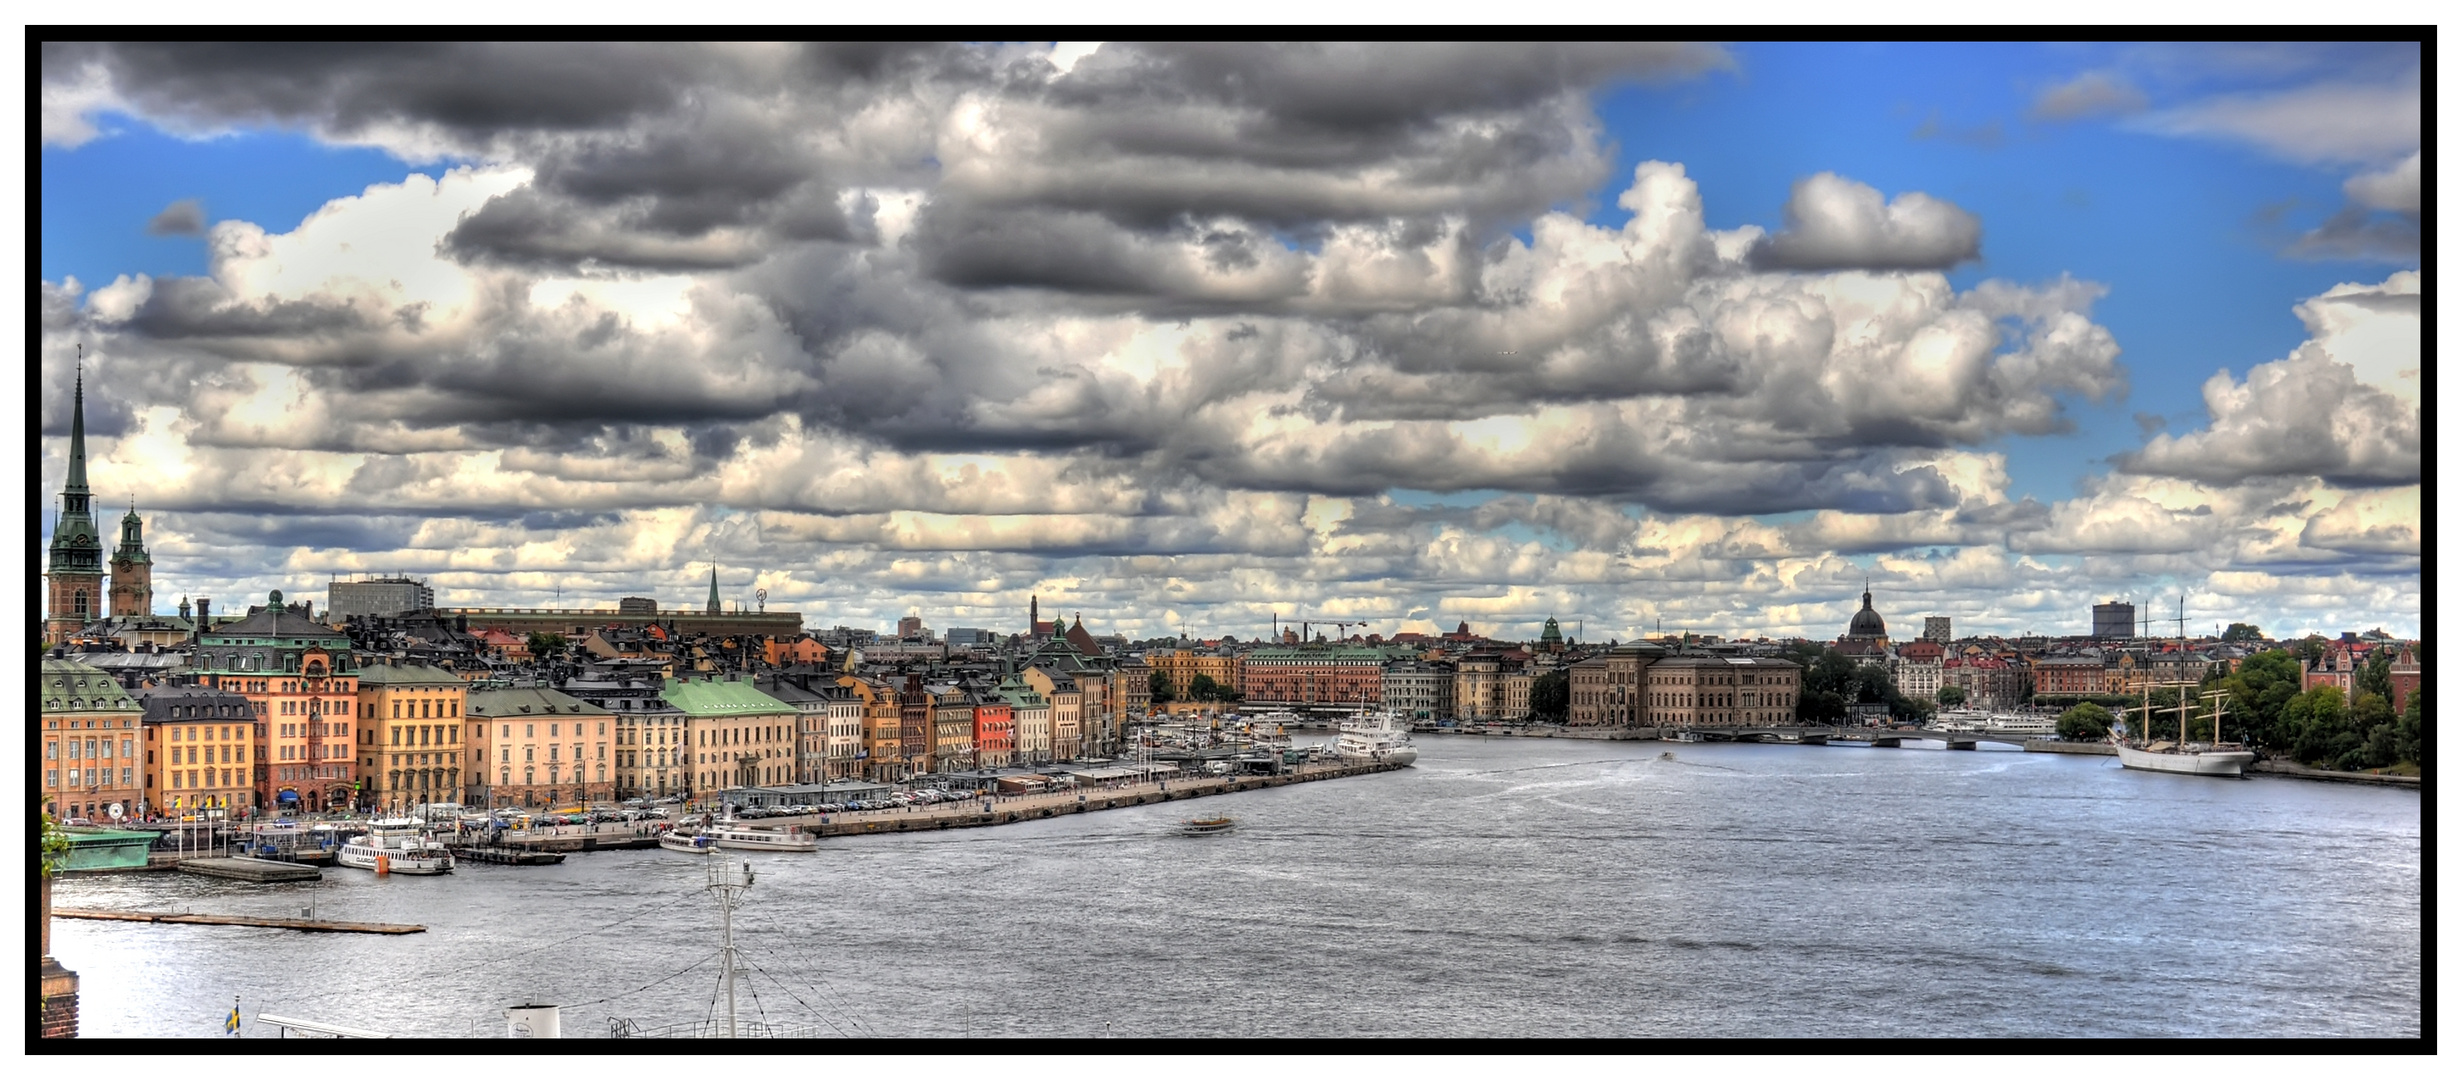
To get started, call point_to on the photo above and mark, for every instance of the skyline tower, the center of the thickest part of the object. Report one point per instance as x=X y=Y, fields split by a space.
x=75 y=569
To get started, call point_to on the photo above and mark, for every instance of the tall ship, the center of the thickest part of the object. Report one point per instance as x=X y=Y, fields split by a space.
x=2216 y=758
x=397 y=846
x=1376 y=738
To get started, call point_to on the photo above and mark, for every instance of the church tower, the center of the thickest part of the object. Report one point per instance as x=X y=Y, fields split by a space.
x=132 y=570
x=76 y=567
x=713 y=608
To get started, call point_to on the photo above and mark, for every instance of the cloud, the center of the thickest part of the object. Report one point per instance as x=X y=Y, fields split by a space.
x=2395 y=189
x=2312 y=413
x=2359 y=231
x=2090 y=94
x=1834 y=223
x=2319 y=123
x=185 y=217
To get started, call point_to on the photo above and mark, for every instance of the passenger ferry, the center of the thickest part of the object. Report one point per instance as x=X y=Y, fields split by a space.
x=1376 y=738
x=399 y=846
x=1206 y=826
x=693 y=842
x=746 y=838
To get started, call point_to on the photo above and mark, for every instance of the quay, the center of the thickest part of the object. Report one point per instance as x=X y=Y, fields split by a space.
x=323 y=926
x=245 y=869
x=507 y=856
x=1006 y=809
x=2279 y=767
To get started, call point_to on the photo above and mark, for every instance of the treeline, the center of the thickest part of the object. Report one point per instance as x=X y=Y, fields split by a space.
x=1832 y=682
x=2321 y=727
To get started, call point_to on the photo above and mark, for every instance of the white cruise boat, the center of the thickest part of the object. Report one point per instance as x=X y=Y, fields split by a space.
x=397 y=846
x=696 y=843
x=746 y=838
x=1376 y=738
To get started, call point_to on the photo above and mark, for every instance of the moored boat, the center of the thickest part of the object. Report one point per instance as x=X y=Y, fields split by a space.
x=692 y=842
x=398 y=846
x=747 y=838
x=1378 y=738
x=2217 y=758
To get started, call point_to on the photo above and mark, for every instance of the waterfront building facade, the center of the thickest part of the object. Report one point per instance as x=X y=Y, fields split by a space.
x=649 y=731
x=1315 y=676
x=1032 y=713
x=1180 y=668
x=953 y=728
x=1417 y=689
x=995 y=731
x=1915 y=668
x=2068 y=674
x=548 y=749
x=1723 y=691
x=735 y=735
x=1478 y=690
x=410 y=735
x=89 y=743
x=300 y=675
x=1607 y=691
x=843 y=756
x=197 y=746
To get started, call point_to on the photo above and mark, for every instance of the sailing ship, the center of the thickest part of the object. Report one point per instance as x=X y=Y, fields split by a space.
x=2216 y=758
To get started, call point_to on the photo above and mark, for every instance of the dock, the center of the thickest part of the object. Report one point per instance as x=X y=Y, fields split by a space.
x=508 y=856
x=245 y=869
x=1014 y=808
x=317 y=926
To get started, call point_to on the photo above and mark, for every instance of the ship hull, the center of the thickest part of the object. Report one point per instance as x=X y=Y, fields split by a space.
x=2209 y=763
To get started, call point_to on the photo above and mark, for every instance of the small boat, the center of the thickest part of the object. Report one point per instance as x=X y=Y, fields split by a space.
x=696 y=843
x=397 y=846
x=1206 y=826
x=747 y=838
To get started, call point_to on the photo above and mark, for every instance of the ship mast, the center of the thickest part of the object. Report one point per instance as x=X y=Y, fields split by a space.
x=725 y=881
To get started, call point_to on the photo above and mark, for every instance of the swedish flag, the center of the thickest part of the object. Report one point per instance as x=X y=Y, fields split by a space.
x=230 y=1024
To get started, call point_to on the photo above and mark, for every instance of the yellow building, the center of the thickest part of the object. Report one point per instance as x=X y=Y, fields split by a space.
x=197 y=750
x=1180 y=668
x=411 y=735
x=89 y=741
x=735 y=735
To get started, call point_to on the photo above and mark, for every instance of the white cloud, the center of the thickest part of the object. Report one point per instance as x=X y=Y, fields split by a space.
x=2395 y=188
x=2092 y=93
x=1833 y=223
x=2325 y=122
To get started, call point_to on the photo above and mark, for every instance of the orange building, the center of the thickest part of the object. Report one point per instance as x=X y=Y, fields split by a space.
x=89 y=738
x=410 y=735
x=198 y=742
x=297 y=672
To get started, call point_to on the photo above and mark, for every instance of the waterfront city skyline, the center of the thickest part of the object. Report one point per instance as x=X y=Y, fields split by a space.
x=1637 y=337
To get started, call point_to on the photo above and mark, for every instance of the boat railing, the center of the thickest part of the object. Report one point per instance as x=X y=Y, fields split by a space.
x=716 y=1029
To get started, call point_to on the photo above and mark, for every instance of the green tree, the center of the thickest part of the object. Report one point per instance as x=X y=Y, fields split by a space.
x=1551 y=696
x=2259 y=691
x=1951 y=697
x=2318 y=726
x=2377 y=675
x=2240 y=631
x=55 y=844
x=2085 y=722
x=546 y=646
x=1204 y=688
x=1158 y=688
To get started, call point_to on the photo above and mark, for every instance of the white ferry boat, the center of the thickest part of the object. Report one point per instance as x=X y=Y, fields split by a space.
x=746 y=838
x=696 y=843
x=1377 y=737
x=397 y=846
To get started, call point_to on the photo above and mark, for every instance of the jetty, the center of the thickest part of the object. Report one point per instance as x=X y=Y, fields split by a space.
x=1008 y=809
x=241 y=868
x=507 y=856
x=317 y=926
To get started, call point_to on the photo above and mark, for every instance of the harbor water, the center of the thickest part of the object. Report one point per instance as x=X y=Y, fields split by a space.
x=1502 y=887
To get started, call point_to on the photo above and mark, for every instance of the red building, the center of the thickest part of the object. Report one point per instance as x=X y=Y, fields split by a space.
x=995 y=733
x=2405 y=674
x=1322 y=675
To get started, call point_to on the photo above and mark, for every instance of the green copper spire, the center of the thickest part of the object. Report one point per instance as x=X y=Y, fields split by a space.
x=76 y=544
x=713 y=589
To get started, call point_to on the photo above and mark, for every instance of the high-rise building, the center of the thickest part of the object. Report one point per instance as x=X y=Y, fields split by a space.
x=1936 y=628
x=389 y=597
x=2115 y=619
x=75 y=571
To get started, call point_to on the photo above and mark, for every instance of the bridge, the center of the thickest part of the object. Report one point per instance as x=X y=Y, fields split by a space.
x=1821 y=736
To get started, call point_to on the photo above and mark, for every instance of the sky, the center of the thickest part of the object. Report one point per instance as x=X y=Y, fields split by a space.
x=1644 y=337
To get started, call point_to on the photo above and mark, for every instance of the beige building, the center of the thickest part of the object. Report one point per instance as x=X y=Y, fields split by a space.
x=1607 y=689
x=1068 y=712
x=1031 y=712
x=1180 y=668
x=735 y=735
x=197 y=752
x=546 y=749
x=1478 y=688
x=953 y=728
x=1722 y=691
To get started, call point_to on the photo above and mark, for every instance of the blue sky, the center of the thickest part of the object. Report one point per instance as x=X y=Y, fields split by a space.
x=2197 y=186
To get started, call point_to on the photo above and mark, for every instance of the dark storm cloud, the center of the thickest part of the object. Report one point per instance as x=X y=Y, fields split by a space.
x=183 y=308
x=185 y=217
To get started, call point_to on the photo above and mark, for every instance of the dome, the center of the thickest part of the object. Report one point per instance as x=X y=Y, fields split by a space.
x=1867 y=623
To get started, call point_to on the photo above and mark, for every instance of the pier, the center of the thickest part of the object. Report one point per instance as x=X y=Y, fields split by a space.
x=1008 y=809
x=314 y=926
x=245 y=869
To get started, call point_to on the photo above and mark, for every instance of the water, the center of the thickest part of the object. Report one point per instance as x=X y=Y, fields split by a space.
x=1503 y=887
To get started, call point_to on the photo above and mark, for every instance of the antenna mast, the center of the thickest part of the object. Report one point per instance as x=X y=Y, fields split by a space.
x=726 y=881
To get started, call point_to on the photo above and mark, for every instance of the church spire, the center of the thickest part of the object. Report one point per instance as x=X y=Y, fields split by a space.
x=713 y=608
x=76 y=490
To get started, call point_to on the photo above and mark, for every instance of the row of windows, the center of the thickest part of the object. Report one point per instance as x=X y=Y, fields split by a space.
x=88 y=777
x=89 y=748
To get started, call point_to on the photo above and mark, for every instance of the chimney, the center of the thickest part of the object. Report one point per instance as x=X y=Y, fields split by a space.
x=205 y=610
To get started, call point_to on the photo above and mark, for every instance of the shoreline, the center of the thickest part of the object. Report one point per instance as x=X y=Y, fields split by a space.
x=1012 y=809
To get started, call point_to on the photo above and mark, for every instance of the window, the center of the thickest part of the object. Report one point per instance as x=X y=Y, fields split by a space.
x=552 y=730
x=397 y=710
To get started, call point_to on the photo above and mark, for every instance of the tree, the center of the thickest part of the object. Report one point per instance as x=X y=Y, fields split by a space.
x=2240 y=631
x=546 y=646
x=1204 y=688
x=2259 y=690
x=2377 y=675
x=1951 y=697
x=2318 y=728
x=2085 y=722
x=1158 y=688
x=1551 y=696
